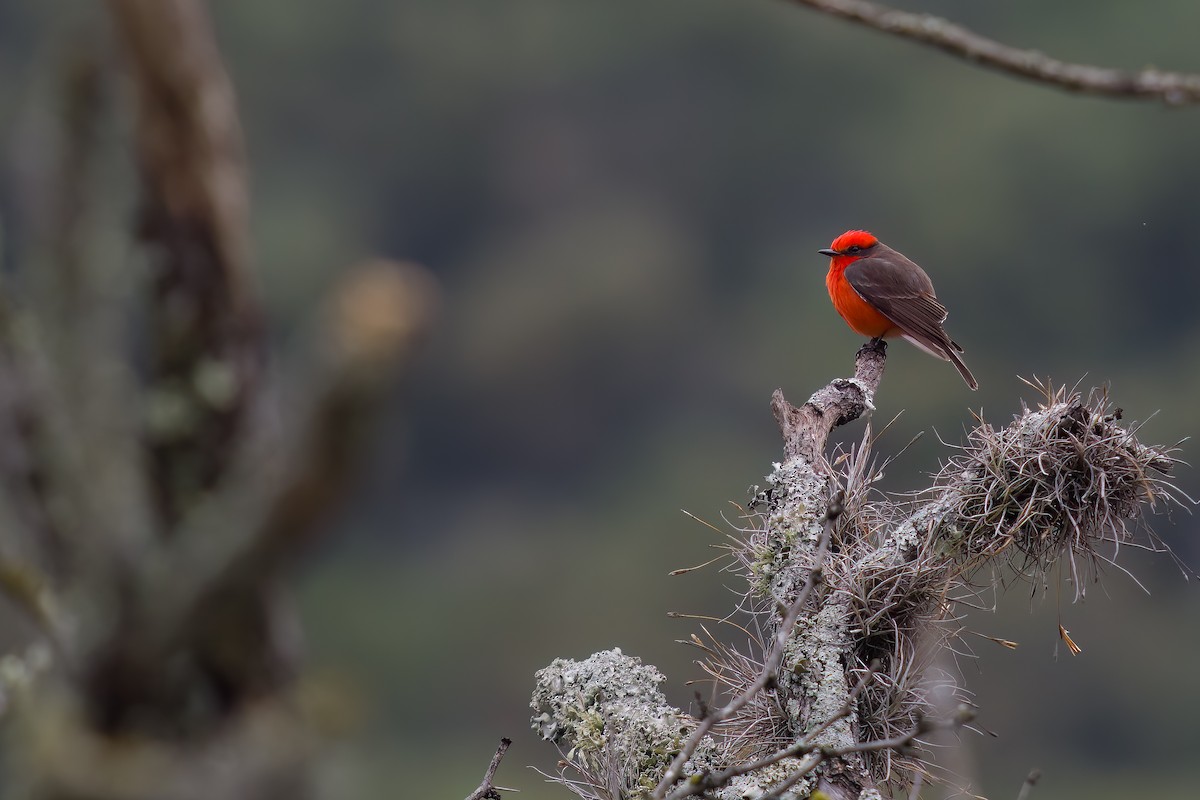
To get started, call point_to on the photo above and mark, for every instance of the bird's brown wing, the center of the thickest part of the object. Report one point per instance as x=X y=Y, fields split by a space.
x=903 y=293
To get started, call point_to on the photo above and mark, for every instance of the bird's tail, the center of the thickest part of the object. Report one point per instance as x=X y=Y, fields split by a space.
x=946 y=352
x=962 y=370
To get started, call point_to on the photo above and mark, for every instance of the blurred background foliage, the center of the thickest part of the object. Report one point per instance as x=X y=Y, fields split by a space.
x=622 y=201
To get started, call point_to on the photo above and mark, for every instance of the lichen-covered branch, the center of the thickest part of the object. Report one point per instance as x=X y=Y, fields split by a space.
x=806 y=429
x=844 y=684
x=767 y=676
x=804 y=505
x=1172 y=88
x=612 y=723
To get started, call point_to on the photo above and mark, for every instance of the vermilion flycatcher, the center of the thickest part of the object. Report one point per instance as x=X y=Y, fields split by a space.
x=882 y=294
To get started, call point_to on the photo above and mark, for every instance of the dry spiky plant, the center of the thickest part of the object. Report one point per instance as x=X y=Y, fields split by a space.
x=851 y=594
x=1058 y=485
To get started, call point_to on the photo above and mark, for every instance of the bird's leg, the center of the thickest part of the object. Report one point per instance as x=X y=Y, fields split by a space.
x=873 y=352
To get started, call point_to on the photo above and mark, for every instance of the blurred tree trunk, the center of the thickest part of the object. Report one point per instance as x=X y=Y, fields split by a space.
x=148 y=511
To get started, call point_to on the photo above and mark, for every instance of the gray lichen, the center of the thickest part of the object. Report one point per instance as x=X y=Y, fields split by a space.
x=817 y=653
x=609 y=718
x=798 y=499
x=753 y=786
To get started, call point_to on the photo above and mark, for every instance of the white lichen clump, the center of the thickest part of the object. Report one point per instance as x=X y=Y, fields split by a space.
x=608 y=716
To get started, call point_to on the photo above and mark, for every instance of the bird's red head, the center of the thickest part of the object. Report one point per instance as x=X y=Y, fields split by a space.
x=849 y=247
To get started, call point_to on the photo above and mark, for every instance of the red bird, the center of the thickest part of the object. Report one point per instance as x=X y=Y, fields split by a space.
x=882 y=294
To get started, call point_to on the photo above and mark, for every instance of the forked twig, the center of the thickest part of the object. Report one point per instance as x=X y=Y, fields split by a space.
x=1031 y=780
x=486 y=788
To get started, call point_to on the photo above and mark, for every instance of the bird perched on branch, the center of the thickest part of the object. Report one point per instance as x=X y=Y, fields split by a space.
x=881 y=294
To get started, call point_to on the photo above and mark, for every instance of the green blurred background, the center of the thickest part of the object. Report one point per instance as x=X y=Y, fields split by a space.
x=622 y=201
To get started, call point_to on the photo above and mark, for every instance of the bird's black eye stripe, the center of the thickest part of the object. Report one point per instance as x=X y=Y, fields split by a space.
x=853 y=248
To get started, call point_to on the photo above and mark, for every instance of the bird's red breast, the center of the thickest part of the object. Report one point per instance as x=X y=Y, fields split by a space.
x=862 y=317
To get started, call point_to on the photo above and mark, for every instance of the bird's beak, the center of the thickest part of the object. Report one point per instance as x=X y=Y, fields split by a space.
x=829 y=252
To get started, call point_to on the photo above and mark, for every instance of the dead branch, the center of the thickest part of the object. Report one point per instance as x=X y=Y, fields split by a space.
x=379 y=317
x=847 y=683
x=1172 y=88
x=205 y=338
x=35 y=491
x=486 y=790
x=1031 y=780
x=176 y=655
x=211 y=595
x=806 y=429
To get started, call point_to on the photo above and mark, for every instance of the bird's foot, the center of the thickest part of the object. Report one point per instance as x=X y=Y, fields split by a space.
x=877 y=345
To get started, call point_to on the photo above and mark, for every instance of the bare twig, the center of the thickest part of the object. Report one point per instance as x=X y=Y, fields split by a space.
x=806 y=429
x=1172 y=88
x=1031 y=780
x=766 y=677
x=486 y=789
x=914 y=793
